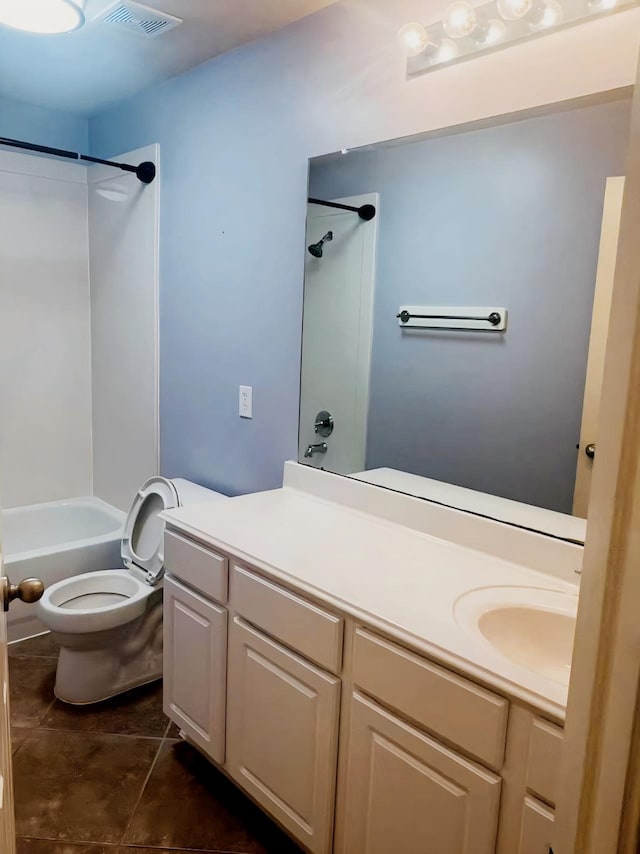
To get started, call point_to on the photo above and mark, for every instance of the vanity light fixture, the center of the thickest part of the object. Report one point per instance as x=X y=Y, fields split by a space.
x=467 y=31
x=42 y=16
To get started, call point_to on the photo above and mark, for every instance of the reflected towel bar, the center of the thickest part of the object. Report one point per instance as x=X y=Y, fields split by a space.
x=452 y=317
x=494 y=318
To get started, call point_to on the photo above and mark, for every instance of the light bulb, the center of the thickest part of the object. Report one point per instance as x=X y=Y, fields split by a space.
x=514 y=10
x=492 y=33
x=414 y=39
x=551 y=15
x=460 y=21
x=447 y=51
x=42 y=16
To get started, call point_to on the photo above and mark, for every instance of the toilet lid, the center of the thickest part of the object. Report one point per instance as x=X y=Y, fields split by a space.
x=143 y=538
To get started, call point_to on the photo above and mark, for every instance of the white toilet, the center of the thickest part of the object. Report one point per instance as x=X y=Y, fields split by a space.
x=109 y=623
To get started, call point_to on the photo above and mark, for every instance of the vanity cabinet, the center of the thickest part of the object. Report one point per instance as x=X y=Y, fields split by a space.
x=282 y=739
x=295 y=703
x=195 y=667
x=537 y=828
x=407 y=792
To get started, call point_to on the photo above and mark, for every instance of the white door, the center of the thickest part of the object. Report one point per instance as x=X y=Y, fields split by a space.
x=338 y=330
x=7 y=827
x=282 y=741
x=195 y=631
x=406 y=792
x=598 y=342
x=28 y=591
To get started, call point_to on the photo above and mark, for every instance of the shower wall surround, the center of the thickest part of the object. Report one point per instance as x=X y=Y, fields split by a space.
x=235 y=135
x=78 y=326
x=45 y=344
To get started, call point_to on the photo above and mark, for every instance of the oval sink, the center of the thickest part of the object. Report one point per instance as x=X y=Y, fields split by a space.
x=530 y=626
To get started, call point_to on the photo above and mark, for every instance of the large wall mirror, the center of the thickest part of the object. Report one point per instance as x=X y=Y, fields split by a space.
x=453 y=343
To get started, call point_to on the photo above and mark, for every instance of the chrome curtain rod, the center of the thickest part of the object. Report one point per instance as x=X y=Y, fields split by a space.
x=145 y=172
x=365 y=212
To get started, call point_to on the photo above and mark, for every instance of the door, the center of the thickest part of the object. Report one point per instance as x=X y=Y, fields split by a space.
x=406 y=792
x=28 y=591
x=598 y=805
x=338 y=329
x=195 y=666
x=7 y=827
x=282 y=742
x=611 y=214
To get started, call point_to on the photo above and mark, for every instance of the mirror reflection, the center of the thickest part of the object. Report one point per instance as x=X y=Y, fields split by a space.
x=454 y=342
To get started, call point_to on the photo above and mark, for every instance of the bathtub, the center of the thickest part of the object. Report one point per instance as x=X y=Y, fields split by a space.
x=54 y=541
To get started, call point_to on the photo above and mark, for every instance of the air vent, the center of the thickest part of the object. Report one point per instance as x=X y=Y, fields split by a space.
x=139 y=20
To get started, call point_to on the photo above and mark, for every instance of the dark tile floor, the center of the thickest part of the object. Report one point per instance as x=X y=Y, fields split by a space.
x=115 y=778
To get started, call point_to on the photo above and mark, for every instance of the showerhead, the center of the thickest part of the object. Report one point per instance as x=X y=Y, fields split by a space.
x=316 y=248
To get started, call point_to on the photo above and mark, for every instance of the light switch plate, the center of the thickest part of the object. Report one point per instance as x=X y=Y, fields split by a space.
x=246 y=402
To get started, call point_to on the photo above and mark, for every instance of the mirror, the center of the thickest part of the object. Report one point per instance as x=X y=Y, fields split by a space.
x=453 y=343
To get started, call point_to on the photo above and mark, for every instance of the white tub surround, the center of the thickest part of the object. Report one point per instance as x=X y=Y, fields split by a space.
x=45 y=337
x=57 y=540
x=309 y=623
x=124 y=247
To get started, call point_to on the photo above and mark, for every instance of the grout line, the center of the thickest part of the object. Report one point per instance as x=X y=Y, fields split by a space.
x=144 y=786
x=86 y=732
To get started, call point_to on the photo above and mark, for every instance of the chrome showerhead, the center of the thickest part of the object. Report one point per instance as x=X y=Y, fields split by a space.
x=316 y=248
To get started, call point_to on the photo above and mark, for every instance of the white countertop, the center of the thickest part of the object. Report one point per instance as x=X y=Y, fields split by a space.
x=401 y=581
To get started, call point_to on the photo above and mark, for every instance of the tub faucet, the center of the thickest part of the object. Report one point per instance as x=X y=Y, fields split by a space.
x=320 y=448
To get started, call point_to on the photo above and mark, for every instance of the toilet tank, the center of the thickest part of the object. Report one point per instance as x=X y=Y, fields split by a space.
x=193 y=493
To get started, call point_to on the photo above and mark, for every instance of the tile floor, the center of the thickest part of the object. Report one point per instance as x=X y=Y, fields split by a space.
x=115 y=778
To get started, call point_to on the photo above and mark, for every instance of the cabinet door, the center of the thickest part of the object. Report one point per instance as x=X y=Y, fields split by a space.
x=405 y=792
x=537 y=828
x=283 y=733
x=195 y=652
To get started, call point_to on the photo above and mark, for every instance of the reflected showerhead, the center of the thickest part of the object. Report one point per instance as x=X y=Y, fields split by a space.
x=316 y=248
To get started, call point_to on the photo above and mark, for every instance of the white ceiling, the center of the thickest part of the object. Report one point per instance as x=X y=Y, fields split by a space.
x=99 y=65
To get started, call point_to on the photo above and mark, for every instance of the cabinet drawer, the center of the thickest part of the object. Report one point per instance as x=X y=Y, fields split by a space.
x=457 y=710
x=198 y=567
x=545 y=754
x=309 y=630
x=536 y=836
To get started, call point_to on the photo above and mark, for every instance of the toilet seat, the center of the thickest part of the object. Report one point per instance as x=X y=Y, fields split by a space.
x=143 y=538
x=87 y=592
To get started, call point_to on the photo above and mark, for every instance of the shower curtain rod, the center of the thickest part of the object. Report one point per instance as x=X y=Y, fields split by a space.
x=365 y=212
x=145 y=172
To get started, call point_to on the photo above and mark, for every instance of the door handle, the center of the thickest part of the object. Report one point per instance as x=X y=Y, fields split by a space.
x=29 y=591
x=590 y=450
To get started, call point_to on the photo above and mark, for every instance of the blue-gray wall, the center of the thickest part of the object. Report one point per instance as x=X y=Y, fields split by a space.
x=506 y=216
x=40 y=125
x=235 y=135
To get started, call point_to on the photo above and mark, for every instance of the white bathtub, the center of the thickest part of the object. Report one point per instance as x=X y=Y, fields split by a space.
x=54 y=541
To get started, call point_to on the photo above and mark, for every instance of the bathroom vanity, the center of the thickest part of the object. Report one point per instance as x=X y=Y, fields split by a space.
x=328 y=659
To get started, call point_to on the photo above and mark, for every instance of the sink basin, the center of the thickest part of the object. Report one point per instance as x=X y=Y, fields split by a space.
x=531 y=627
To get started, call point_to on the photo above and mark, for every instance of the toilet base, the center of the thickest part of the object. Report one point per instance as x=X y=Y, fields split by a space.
x=95 y=667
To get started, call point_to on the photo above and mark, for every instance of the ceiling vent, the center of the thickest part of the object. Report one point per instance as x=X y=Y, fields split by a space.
x=139 y=20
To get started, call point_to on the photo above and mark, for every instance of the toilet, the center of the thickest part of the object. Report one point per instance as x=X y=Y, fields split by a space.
x=109 y=623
